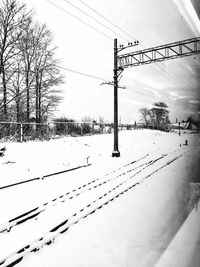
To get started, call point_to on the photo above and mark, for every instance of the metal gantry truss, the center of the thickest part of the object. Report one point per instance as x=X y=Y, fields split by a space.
x=160 y=53
x=155 y=54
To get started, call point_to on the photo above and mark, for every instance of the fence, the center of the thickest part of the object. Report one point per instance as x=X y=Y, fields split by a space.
x=16 y=131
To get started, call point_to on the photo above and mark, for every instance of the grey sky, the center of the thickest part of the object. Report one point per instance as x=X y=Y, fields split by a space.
x=81 y=48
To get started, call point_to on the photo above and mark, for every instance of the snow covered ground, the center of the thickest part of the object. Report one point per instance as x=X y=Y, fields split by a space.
x=108 y=211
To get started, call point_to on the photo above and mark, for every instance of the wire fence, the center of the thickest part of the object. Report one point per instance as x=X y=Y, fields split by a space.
x=20 y=132
x=16 y=131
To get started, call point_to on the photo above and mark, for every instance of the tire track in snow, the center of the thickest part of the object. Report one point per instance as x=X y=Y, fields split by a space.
x=84 y=212
x=33 y=213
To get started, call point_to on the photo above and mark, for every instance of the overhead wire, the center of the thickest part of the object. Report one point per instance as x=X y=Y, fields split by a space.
x=172 y=108
x=82 y=73
x=22 y=71
x=63 y=68
x=113 y=24
x=94 y=28
x=82 y=21
x=96 y=20
x=170 y=76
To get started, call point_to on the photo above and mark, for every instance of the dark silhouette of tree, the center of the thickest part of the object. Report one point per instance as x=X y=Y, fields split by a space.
x=159 y=113
x=145 y=112
x=29 y=72
x=27 y=47
x=157 y=116
x=12 y=17
x=46 y=73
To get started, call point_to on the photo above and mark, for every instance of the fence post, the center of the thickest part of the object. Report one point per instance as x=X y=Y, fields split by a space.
x=48 y=131
x=81 y=126
x=67 y=128
x=21 y=132
x=93 y=129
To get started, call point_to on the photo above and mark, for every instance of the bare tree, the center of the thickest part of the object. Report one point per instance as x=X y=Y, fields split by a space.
x=156 y=116
x=27 y=47
x=146 y=115
x=12 y=17
x=29 y=71
x=17 y=90
x=46 y=72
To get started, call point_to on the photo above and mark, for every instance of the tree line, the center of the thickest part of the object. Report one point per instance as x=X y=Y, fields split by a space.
x=157 y=116
x=29 y=72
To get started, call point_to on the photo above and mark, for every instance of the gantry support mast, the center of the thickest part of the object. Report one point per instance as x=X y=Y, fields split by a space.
x=155 y=54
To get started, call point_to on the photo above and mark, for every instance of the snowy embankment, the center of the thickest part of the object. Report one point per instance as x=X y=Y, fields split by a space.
x=128 y=209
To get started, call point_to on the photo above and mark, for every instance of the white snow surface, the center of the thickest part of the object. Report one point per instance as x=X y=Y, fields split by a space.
x=134 y=228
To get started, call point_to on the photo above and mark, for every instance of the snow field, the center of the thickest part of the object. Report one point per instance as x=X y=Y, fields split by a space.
x=124 y=233
x=101 y=162
x=54 y=216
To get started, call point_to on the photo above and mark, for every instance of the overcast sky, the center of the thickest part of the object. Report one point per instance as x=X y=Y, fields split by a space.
x=83 y=49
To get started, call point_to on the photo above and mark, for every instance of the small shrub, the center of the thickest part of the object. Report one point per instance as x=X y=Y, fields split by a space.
x=86 y=128
x=63 y=126
x=74 y=128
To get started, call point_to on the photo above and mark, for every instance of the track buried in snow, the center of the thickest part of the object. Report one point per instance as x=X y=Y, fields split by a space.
x=92 y=184
x=83 y=212
x=43 y=177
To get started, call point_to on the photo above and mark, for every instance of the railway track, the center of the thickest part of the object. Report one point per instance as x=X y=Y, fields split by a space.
x=118 y=186
x=43 y=176
x=69 y=195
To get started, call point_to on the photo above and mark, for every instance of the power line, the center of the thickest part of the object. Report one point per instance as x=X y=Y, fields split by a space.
x=82 y=73
x=170 y=76
x=82 y=21
x=107 y=20
x=22 y=71
x=63 y=68
x=96 y=20
x=94 y=28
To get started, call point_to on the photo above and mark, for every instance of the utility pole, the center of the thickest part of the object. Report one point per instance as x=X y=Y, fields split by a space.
x=116 y=152
x=117 y=71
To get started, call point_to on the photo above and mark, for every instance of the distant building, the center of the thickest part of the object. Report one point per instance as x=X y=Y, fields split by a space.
x=189 y=125
x=194 y=125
